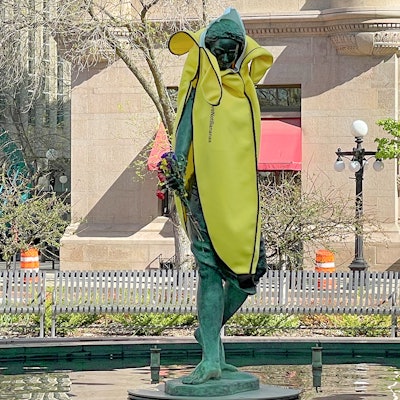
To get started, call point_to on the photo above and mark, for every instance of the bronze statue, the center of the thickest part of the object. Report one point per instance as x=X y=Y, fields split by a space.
x=215 y=145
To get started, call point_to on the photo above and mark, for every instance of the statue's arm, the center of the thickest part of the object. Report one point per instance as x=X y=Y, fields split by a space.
x=182 y=144
x=184 y=131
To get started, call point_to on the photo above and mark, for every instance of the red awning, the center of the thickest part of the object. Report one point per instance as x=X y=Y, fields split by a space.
x=160 y=146
x=280 y=145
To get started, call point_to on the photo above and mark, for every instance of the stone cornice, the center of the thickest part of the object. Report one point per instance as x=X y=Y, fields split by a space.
x=381 y=43
x=352 y=31
x=291 y=29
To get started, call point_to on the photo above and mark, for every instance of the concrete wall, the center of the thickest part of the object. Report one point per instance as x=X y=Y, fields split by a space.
x=114 y=210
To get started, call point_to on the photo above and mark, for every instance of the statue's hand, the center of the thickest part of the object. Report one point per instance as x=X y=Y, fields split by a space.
x=174 y=182
x=171 y=171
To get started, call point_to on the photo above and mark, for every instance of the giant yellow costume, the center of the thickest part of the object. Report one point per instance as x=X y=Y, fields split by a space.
x=217 y=136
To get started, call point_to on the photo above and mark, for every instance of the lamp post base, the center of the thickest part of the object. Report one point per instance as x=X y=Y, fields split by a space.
x=358 y=264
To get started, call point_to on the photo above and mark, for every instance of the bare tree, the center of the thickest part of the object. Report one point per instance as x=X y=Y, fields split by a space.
x=295 y=219
x=136 y=32
x=29 y=216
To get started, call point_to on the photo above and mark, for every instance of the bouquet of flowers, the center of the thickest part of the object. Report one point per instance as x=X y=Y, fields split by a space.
x=171 y=176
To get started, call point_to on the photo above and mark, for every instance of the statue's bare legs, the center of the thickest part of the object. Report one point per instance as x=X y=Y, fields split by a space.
x=216 y=304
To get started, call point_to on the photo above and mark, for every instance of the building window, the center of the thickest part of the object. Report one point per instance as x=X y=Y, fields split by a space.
x=271 y=98
x=279 y=98
x=61 y=92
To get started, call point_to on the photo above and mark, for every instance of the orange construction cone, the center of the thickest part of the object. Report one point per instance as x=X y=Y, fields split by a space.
x=325 y=263
x=30 y=263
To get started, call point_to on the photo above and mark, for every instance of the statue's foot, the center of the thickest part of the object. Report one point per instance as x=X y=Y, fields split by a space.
x=228 y=367
x=204 y=371
x=224 y=366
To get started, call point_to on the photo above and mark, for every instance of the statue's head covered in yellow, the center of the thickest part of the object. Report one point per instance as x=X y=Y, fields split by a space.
x=226 y=41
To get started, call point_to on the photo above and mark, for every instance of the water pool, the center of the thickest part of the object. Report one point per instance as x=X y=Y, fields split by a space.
x=339 y=382
x=353 y=369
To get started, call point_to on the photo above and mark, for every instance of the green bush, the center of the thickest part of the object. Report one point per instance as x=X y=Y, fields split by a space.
x=260 y=324
x=67 y=323
x=362 y=325
x=22 y=324
x=154 y=324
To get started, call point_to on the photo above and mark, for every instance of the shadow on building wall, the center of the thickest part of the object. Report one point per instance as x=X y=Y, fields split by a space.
x=128 y=205
x=395 y=266
x=318 y=5
x=313 y=63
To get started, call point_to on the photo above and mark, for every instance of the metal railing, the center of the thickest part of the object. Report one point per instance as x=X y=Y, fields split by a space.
x=172 y=291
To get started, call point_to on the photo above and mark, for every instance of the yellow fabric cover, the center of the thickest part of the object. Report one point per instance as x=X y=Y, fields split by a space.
x=223 y=154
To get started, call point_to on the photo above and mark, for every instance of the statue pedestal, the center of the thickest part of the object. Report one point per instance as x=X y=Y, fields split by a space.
x=230 y=383
x=232 y=386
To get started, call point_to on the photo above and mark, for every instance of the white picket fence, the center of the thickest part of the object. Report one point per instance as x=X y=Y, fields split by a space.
x=156 y=291
x=22 y=292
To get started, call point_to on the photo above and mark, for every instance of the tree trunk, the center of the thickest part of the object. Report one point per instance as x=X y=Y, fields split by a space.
x=184 y=256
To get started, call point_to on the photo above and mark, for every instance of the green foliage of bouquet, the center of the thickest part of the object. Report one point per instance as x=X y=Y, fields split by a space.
x=171 y=176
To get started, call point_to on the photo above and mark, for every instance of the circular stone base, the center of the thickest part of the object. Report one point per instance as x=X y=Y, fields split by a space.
x=265 y=392
x=230 y=383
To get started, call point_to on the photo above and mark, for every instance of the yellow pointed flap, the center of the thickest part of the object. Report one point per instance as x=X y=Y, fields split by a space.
x=189 y=73
x=210 y=78
x=181 y=42
x=261 y=59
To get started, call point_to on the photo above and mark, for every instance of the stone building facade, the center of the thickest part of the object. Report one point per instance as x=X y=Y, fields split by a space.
x=343 y=54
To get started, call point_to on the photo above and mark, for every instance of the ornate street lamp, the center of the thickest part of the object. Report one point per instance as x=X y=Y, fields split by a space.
x=358 y=162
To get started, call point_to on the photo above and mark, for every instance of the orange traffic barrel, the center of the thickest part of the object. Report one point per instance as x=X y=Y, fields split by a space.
x=30 y=262
x=325 y=263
